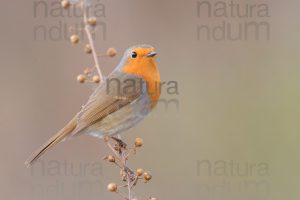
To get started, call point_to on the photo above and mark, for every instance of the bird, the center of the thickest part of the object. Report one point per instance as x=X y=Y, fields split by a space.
x=122 y=100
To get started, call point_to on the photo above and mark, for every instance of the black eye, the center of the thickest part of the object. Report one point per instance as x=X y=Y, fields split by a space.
x=133 y=54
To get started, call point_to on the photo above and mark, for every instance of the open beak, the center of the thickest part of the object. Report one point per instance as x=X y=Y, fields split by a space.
x=151 y=54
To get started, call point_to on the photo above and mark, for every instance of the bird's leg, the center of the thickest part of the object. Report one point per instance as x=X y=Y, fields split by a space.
x=113 y=149
x=120 y=142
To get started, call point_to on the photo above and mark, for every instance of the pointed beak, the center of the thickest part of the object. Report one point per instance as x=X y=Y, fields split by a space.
x=151 y=54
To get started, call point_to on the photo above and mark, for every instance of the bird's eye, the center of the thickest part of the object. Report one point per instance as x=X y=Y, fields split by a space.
x=133 y=54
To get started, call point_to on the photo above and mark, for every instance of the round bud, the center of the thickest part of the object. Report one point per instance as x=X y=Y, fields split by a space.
x=65 y=4
x=152 y=198
x=139 y=172
x=138 y=142
x=96 y=79
x=74 y=39
x=81 y=78
x=111 y=52
x=116 y=147
x=147 y=176
x=86 y=71
x=112 y=187
x=111 y=158
x=122 y=173
x=92 y=21
x=88 y=49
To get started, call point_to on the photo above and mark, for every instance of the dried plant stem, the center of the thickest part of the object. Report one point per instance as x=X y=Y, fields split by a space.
x=91 y=42
x=122 y=157
x=123 y=196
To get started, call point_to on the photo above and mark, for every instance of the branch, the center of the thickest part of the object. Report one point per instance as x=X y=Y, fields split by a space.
x=122 y=153
x=91 y=41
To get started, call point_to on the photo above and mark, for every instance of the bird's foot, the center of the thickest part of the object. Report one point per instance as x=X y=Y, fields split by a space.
x=121 y=144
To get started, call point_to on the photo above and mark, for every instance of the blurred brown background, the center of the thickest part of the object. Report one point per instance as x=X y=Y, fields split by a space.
x=235 y=135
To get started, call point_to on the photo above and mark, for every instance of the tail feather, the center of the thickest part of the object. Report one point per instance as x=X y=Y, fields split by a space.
x=62 y=134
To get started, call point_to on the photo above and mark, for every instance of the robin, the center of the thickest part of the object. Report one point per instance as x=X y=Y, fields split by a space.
x=121 y=101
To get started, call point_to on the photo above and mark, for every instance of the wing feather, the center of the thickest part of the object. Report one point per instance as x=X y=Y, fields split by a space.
x=108 y=98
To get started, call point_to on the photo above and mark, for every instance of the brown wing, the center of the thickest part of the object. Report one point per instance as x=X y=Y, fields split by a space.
x=116 y=91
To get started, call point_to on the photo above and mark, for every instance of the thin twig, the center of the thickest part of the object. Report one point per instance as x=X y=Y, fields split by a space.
x=91 y=42
x=128 y=176
x=121 y=195
x=122 y=157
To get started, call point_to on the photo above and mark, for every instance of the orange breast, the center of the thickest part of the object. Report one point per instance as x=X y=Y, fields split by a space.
x=150 y=73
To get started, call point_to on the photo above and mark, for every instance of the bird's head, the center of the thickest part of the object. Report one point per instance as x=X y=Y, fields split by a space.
x=140 y=60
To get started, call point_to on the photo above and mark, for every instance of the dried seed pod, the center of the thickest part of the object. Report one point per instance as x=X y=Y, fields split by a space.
x=81 y=78
x=88 y=49
x=86 y=71
x=139 y=172
x=116 y=147
x=111 y=158
x=96 y=79
x=111 y=52
x=74 y=39
x=138 y=142
x=92 y=21
x=147 y=176
x=65 y=4
x=112 y=187
x=123 y=175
